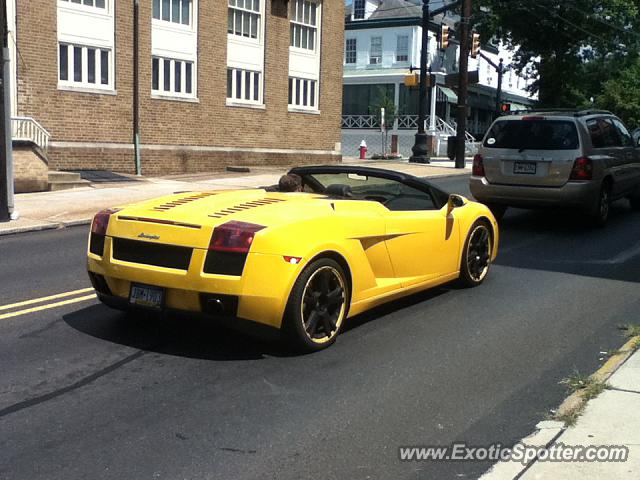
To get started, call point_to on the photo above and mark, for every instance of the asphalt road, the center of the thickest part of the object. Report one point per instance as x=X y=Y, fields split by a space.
x=86 y=393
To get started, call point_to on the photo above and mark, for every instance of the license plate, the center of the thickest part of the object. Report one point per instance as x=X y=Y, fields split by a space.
x=146 y=296
x=528 y=168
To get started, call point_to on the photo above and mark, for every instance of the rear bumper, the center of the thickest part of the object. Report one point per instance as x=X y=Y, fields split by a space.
x=581 y=195
x=261 y=292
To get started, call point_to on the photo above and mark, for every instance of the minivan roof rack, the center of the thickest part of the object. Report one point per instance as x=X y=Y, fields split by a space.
x=559 y=111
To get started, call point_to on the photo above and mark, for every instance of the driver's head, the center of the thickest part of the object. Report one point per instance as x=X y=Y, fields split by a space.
x=290 y=183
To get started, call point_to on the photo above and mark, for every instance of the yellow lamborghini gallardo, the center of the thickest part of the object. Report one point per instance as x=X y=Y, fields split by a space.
x=301 y=263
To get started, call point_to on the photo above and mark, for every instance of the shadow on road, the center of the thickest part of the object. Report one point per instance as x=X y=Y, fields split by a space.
x=561 y=241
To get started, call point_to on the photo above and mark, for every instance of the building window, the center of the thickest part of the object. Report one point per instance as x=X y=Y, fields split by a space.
x=244 y=18
x=402 y=48
x=358 y=9
x=375 y=53
x=84 y=66
x=244 y=86
x=89 y=3
x=304 y=24
x=303 y=93
x=350 y=52
x=172 y=77
x=175 y=11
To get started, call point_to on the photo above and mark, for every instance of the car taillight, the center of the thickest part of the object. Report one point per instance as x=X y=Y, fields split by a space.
x=234 y=237
x=478 y=166
x=101 y=221
x=582 y=169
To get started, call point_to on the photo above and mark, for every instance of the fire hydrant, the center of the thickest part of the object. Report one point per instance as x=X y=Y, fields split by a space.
x=363 y=150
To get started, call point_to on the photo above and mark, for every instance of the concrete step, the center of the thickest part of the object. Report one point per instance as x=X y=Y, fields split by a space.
x=67 y=185
x=55 y=176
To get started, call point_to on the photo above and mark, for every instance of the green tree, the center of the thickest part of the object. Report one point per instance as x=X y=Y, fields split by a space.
x=622 y=95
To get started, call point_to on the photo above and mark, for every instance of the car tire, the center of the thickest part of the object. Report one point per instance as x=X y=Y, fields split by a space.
x=600 y=212
x=476 y=256
x=317 y=306
x=498 y=211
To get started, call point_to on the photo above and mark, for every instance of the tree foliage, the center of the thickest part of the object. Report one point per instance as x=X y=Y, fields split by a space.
x=577 y=50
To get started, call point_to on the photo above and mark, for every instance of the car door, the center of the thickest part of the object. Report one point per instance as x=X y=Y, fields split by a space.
x=630 y=170
x=423 y=243
x=613 y=149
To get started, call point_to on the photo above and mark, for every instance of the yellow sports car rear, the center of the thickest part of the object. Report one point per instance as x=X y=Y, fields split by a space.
x=301 y=263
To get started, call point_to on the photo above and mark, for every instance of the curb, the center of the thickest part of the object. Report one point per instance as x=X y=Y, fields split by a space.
x=45 y=226
x=575 y=402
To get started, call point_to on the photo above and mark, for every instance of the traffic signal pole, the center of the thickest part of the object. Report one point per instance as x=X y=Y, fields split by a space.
x=463 y=82
x=420 y=148
x=5 y=140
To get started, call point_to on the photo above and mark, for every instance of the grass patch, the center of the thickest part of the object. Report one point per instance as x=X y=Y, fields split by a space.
x=632 y=330
x=569 y=419
x=587 y=386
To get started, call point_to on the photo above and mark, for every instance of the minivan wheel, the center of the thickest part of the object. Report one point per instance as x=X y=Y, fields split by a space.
x=600 y=213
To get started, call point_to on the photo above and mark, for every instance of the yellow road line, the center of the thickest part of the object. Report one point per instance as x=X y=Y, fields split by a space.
x=45 y=299
x=46 y=307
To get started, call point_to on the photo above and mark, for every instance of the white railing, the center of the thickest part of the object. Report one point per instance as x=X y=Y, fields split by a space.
x=359 y=121
x=27 y=129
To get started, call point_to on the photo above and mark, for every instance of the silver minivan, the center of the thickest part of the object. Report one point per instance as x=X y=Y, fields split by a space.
x=581 y=160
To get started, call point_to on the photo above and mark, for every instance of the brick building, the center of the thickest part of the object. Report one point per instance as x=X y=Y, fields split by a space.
x=242 y=82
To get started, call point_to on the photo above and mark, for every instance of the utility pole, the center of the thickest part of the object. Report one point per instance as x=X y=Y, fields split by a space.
x=463 y=82
x=500 y=70
x=420 y=148
x=136 y=91
x=5 y=143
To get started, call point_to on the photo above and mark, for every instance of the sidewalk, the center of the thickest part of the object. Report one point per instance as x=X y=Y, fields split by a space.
x=610 y=419
x=49 y=210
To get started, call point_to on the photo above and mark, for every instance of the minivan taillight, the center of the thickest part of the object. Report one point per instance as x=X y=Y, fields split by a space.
x=582 y=169
x=234 y=237
x=478 y=166
x=101 y=221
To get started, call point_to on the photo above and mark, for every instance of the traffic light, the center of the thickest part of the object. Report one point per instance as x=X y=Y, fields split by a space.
x=505 y=107
x=475 y=45
x=444 y=37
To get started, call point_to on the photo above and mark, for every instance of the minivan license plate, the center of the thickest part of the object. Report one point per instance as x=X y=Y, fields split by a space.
x=146 y=296
x=528 y=168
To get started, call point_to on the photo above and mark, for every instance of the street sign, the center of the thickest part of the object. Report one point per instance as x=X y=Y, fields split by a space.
x=452 y=79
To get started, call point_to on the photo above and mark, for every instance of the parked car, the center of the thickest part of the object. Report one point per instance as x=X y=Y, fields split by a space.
x=581 y=160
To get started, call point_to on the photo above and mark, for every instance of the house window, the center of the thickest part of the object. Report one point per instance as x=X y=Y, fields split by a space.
x=304 y=24
x=89 y=3
x=350 y=52
x=244 y=86
x=358 y=9
x=402 y=48
x=375 y=53
x=244 y=18
x=172 y=77
x=84 y=66
x=175 y=11
x=303 y=93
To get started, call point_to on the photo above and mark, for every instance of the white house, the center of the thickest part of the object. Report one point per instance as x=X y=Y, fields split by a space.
x=382 y=40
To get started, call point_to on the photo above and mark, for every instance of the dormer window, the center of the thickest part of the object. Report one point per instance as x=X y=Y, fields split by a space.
x=358 y=9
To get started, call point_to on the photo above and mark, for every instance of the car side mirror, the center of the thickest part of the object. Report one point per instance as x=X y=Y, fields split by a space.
x=455 y=201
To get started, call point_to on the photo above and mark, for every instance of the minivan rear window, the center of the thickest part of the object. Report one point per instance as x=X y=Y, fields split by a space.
x=534 y=134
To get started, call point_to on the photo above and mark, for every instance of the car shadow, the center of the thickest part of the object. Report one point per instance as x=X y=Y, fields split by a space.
x=562 y=241
x=178 y=335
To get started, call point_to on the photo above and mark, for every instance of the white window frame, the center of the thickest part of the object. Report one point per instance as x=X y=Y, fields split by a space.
x=86 y=27
x=234 y=9
x=359 y=12
x=241 y=100
x=378 y=39
x=170 y=23
x=84 y=83
x=160 y=92
x=296 y=91
x=81 y=5
x=354 y=50
x=402 y=50
x=303 y=25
